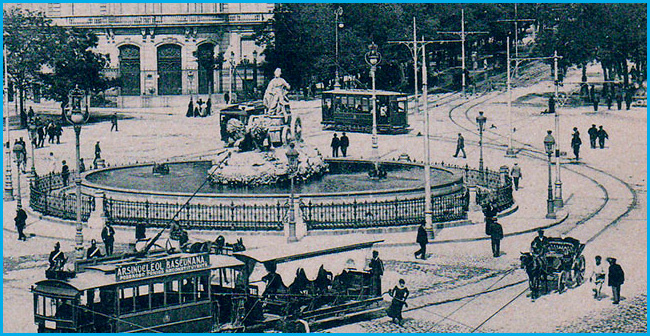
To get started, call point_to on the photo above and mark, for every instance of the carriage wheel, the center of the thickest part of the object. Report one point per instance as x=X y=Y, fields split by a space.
x=296 y=129
x=561 y=282
x=285 y=138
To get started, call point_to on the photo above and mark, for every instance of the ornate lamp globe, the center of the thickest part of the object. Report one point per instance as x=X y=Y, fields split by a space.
x=76 y=112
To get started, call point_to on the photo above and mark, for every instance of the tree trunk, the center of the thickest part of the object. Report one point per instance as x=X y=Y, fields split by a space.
x=21 y=99
x=603 y=64
x=62 y=112
x=626 y=80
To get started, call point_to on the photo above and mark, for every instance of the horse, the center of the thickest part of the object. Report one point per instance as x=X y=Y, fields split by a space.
x=536 y=271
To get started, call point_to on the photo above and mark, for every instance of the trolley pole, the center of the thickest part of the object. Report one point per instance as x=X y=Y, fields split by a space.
x=510 y=152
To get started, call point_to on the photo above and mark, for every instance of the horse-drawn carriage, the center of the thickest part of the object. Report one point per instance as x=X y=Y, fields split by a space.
x=559 y=261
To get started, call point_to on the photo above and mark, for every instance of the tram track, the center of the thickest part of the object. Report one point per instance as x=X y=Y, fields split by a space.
x=536 y=154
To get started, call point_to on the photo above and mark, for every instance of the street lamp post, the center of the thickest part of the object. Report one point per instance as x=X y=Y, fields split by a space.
x=77 y=115
x=292 y=157
x=337 y=13
x=373 y=58
x=549 y=146
x=480 y=120
x=18 y=156
x=32 y=138
x=510 y=152
x=428 y=213
x=559 y=202
x=8 y=184
x=232 y=71
x=254 y=68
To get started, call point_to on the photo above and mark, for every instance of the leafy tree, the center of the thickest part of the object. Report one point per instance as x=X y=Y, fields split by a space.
x=26 y=44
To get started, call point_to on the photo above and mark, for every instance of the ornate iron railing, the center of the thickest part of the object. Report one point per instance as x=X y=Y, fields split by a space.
x=47 y=196
x=244 y=217
x=385 y=213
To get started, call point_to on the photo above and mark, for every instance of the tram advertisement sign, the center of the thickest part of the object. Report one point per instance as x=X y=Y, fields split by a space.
x=165 y=266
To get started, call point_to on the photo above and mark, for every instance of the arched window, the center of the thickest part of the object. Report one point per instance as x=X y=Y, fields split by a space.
x=130 y=70
x=169 y=70
x=205 y=58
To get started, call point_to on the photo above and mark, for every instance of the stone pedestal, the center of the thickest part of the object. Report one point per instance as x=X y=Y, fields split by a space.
x=100 y=163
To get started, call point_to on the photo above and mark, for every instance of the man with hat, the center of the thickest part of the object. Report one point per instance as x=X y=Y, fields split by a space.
x=57 y=259
x=598 y=276
x=93 y=251
x=108 y=236
x=538 y=246
x=616 y=279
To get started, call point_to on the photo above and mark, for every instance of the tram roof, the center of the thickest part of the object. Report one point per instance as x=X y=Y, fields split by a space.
x=303 y=250
x=101 y=275
x=364 y=92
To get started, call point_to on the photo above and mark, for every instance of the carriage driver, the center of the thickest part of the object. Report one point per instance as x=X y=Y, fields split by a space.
x=57 y=259
x=538 y=246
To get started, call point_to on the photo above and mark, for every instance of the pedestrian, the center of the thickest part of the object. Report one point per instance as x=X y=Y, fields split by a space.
x=538 y=245
x=399 y=294
x=496 y=234
x=41 y=135
x=602 y=135
x=335 y=144
x=53 y=163
x=460 y=146
x=490 y=215
x=595 y=99
x=65 y=173
x=23 y=119
x=114 y=122
x=98 y=151
x=93 y=251
x=576 y=143
x=619 y=97
x=616 y=279
x=82 y=166
x=551 y=104
x=376 y=267
x=344 y=142
x=629 y=95
x=190 y=108
x=208 y=106
x=598 y=277
x=608 y=99
x=593 y=134
x=58 y=131
x=515 y=172
x=50 y=132
x=30 y=115
x=422 y=239
x=108 y=237
x=21 y=222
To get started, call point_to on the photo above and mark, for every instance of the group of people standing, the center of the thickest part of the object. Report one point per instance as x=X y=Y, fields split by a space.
x=200 y=109
x=594 y=134
x=340 y=143
x=615 y=278
x=611 y=92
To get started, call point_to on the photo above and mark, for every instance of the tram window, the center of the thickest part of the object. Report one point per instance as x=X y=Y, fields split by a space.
x=49 y=305
x=401 y=107
x=188 y=289
x=365 y=104
x=126 y=300
x=158 y=295
x=64 y=309
x=142 y=298
x=337 y=103
x=172 y=292
x=202 y=289
x=40 y=305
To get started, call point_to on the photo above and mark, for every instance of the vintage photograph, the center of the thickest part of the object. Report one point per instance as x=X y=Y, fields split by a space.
x=325 y=167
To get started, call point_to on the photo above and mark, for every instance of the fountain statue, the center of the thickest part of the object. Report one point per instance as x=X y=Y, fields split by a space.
x=260 y=141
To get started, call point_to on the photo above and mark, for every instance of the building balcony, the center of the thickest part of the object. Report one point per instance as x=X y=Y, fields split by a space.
x=161 y=20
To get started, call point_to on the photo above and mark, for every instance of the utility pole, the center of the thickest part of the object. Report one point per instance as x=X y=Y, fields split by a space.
x=516 y=21
x=463 y=34
x=8 y=186
x=428 y=213
x=413 y=47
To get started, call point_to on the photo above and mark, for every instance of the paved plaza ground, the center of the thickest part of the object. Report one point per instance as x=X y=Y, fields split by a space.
x=605 y=195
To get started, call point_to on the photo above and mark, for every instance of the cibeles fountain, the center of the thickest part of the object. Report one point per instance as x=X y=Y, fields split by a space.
x=249 y=185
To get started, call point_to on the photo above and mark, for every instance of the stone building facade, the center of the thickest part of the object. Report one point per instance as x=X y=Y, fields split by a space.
x=158 y=50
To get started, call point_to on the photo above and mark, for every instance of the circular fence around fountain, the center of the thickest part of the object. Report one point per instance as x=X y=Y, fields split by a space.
x=254 y=211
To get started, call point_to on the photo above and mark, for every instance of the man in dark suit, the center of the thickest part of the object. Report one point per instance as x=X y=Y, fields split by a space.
x=376 y=267
x=496 y=234
x=423 y=240
x=616 y=279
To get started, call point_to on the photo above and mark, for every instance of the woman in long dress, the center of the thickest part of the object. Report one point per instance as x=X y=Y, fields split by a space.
x=399 y=293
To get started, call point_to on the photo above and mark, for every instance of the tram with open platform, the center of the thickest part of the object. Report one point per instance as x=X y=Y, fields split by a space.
x=168 y=291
